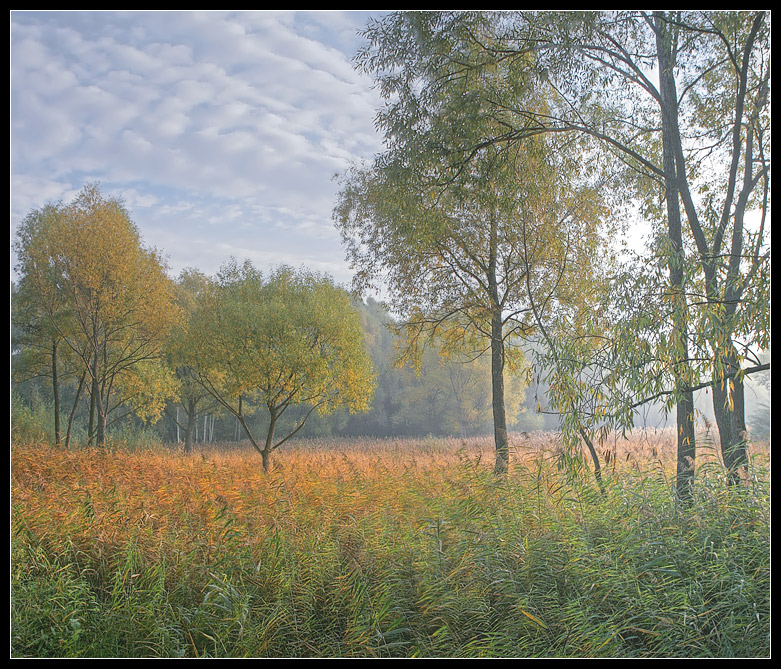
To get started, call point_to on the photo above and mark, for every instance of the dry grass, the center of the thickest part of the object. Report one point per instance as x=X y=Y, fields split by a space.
x=359 y=547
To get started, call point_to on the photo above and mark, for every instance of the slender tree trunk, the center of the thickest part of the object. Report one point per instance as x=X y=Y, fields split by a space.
x=56 y=393
x=729 y=410
x=73 y=410
x=188 y=430
x=269 y=445
x=497 y=361
x=239 y=422
x=595 y=458
x=100 y=439
x=685 y=403
x=497 y=392
x=687 y=446
x=101 y=404
x=93 y=401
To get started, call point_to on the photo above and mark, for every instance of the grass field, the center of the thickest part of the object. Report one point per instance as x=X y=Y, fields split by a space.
x=385 y=548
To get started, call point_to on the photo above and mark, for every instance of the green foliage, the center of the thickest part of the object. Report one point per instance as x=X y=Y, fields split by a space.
x=29 y=424
x=443 y=394
x=475 y=243
x=696 y=170
x=288 y=340
x=90 y=291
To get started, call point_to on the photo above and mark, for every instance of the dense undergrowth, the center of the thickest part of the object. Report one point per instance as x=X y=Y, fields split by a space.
x=381 y=549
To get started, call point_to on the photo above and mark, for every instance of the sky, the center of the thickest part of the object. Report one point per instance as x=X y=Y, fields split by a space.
x=221 y=131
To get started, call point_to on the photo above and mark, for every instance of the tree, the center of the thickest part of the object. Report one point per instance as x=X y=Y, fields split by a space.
x=458 y=246
x=707 y=162
x=679 y=102
x=192 y=396
x=39 y=353
x=292 y=339
x=736 y=277
x=36 y=303
x=106 y=298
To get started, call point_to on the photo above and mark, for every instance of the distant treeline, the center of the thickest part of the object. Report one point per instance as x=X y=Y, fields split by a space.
x=442 y=398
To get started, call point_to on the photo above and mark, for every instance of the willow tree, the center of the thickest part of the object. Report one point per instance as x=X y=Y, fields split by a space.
x=459 y=257
x=292 y=339
x=106 y=297
x=682 y=99
x=677 y=103
x=463 y=233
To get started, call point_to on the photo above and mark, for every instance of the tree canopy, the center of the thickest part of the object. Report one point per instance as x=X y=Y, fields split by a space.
x=286 y=340
x=472 y=252
x=636 y=91
x=103 y=295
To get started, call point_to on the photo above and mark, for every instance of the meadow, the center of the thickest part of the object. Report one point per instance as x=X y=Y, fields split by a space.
x=386 y=548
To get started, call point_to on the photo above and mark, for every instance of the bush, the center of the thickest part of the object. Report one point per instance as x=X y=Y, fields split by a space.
x=28 y=424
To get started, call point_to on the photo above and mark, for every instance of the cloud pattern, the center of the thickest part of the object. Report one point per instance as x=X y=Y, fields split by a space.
x=221 y=130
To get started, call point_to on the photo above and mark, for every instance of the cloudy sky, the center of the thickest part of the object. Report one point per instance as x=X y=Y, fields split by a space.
x=220 y=130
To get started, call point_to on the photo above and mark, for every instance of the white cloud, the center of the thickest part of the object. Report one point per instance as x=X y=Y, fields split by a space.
x=241 y=117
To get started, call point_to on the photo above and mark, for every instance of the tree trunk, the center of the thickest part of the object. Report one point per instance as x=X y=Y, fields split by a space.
x=266 y=458
x=56 y=393
x=595 y=458
x=497 y=396
x=100 y=439
x=73 y=410
x=729 y=410
x=687 y=445
x=497 y=357
x=268 y=448
x=269 y=445
x=188 y=430
x=101 y=406
x=93 y=401
x=685 y=402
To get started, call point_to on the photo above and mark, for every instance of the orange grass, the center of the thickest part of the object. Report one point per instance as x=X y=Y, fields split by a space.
x=100 y=499
x=331 y=518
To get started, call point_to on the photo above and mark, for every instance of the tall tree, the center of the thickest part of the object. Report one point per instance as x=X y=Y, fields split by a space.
x=37 y=303
x=457 y=247
x=107 y=298
x=680 y=101
x=192 y=396
x=668 y=105
x=698 y=84
x=292 y=339
x=733 y=52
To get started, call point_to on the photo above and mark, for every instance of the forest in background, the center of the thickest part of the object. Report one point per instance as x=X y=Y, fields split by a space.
x=443 y=398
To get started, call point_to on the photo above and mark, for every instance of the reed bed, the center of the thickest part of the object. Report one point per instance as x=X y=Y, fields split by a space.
x=386 y=548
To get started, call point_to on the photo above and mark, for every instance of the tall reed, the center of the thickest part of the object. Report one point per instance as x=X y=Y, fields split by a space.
x=385 y=548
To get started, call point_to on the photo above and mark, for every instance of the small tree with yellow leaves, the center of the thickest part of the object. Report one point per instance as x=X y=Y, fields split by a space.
x=291 y=339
